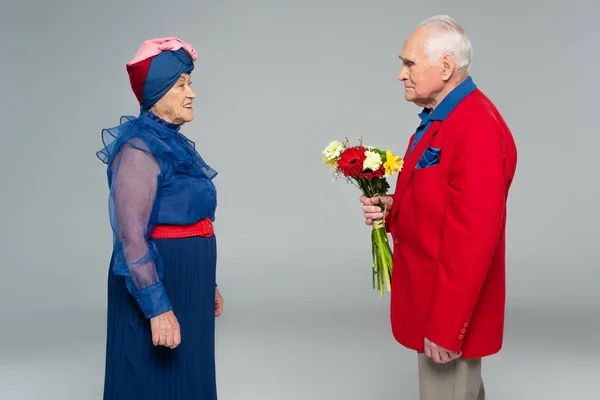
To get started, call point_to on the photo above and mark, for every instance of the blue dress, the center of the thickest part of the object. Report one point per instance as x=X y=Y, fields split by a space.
x=155 y=177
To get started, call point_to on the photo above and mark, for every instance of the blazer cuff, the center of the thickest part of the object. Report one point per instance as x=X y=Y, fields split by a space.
x=449 y=336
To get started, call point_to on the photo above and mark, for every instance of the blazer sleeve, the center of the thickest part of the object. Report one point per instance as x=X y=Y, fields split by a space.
x=475 y=205
x=387 y=218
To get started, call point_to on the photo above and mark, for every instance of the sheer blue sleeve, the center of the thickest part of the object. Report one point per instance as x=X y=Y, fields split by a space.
x=133 y=194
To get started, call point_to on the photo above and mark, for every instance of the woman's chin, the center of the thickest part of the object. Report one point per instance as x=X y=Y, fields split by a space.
x=188 y=115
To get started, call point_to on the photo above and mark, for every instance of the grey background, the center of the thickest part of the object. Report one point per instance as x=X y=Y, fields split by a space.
x=276 y=81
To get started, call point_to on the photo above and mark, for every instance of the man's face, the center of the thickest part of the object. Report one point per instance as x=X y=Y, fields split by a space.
x=422 y=81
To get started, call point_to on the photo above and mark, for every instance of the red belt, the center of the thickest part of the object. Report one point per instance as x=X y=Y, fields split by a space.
x=203 y=228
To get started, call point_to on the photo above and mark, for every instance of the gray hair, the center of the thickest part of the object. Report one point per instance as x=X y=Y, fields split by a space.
x=446 y=36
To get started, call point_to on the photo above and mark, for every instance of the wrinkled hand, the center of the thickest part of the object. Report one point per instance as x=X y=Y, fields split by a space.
x=439 y=354
x=218 y=303
x=165 y=330
x=372 y=209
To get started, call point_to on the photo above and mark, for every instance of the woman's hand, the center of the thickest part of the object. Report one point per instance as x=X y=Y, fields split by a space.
x=218 y=303
x=372 y=209
x=165 y=330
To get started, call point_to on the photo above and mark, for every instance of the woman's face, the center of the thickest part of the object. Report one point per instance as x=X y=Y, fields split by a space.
x=176 y=105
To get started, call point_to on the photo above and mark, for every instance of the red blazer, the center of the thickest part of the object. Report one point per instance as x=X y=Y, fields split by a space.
x=448 y=226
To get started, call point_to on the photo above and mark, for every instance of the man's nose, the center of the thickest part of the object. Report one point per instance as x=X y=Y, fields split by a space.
x=402 y=75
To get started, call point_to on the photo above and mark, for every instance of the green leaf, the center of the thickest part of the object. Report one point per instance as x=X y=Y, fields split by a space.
x=381 y=153
x=380 y=185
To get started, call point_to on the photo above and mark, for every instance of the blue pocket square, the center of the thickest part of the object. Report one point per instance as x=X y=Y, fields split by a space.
x=430 y=157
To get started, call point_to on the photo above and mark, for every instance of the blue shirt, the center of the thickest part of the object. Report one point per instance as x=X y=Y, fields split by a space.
x=155 y=176
x=443 y=109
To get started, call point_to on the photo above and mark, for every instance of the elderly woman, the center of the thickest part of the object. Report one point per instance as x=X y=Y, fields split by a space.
x=162 y=295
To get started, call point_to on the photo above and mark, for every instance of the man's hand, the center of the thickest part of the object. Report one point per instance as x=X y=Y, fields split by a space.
x=165 y=330
x=438 y=353
x=218 y=303
x=372 y=209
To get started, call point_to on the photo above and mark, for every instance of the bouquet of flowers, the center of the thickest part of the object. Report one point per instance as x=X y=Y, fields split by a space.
x=367 y=168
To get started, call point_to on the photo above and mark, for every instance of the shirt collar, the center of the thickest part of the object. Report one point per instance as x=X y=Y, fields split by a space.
x=448 y=103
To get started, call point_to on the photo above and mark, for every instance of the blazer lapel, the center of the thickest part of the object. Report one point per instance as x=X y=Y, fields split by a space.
x=409 y=167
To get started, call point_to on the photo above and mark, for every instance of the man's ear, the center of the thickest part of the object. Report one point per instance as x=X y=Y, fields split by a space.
x=448 y=66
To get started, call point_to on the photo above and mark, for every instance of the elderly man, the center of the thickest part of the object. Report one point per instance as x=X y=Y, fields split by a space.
x=447 y=217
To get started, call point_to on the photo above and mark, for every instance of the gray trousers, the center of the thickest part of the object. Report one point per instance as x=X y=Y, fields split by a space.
x=456 y=380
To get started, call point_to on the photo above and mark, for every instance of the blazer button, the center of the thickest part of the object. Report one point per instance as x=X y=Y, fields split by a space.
x=463 y=330
x=466 y=324
x=460 y=337
x=396 y=240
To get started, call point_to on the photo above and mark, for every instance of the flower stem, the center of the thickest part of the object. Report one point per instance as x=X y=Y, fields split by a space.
x=382 y=258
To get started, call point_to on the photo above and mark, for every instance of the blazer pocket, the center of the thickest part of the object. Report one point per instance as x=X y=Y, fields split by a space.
x=430 y=158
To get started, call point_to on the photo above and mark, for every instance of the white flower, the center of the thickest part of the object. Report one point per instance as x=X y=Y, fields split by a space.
x=333 y=150
x=372 y=162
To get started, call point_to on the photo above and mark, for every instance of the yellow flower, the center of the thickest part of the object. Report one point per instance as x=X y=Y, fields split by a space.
x=331 y=162
x=372 y=162
x=393 y=163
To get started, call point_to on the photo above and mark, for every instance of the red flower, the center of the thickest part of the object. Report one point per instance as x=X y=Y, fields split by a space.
x=373 y=174
x=351 y=161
